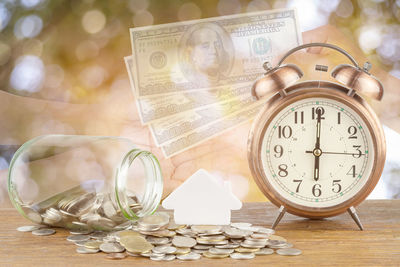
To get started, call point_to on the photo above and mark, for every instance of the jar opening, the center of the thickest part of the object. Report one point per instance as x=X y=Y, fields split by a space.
x=138 y=184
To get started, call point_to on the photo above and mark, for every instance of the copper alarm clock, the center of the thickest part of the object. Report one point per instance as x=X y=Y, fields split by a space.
x=317 y=149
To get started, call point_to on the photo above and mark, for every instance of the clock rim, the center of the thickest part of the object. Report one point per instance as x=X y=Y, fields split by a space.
x=304 y=91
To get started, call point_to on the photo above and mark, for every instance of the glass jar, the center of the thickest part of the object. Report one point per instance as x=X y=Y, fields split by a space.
x=84 y=182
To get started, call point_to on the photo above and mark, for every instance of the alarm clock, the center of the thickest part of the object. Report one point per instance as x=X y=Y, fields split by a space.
x=317 y=149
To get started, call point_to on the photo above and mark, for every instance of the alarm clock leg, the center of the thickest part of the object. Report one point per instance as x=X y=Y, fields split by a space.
x=282 y=211
x=353 y=214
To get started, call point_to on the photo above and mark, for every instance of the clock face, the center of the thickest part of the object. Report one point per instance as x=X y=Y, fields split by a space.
x=317 y=152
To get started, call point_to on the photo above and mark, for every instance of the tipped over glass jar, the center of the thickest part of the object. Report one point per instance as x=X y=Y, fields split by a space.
x=84 y=182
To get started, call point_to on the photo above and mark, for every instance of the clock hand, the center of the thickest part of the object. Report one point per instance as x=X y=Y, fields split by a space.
x=335 y=153
x=317 y=150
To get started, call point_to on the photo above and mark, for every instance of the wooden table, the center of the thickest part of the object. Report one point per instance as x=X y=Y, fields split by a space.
x=333 y=241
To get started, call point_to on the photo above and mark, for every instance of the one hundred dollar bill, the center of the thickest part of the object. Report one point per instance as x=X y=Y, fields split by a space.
x=171 y=128
x=202 y=134
x=208 y=53
x=156 y=108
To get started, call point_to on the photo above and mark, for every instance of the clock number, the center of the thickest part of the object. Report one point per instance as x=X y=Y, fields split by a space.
x=314 y=112
x=301 y=117
x=278 y=149
x=338 y=117
x=352 y=171
x=316 y=190
x=336 y=187
x=358 y=154
x=298 y=186
x=282 y=170
x=352 y=130
x=285 y=131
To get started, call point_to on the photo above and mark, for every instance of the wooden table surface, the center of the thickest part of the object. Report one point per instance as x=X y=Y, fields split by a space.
x=329 y=242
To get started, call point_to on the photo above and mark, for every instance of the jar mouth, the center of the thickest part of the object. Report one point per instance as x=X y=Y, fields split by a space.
x=153 y=185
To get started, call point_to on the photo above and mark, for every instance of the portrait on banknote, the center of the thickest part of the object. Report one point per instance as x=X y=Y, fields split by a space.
x=206 y=53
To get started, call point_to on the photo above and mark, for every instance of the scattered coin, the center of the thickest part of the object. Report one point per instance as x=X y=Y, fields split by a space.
x=242 y=256
x=111 y=248
x=207 y=254
x=189 y=256
x=165 y=249
x=221 y=250
x=28 y=228
x=206 y=229
x=77 y=238
x=264 y=251
x=183 y=242
x=116 y=256
x=85 y=250
x=44 y=231
x=169 y=257
x=180 y=251
x=93 y=244
x=245 y=250
x=289 y=251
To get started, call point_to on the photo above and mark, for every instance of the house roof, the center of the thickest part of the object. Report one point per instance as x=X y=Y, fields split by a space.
x=202 y=189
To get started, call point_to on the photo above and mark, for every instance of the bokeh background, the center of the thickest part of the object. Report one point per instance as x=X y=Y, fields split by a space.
x=72 y=52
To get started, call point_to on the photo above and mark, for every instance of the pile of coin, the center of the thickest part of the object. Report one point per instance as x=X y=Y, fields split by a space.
x=82 y=208
x=158 y=238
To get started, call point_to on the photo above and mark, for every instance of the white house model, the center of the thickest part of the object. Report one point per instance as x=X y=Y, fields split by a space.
x=202 y=200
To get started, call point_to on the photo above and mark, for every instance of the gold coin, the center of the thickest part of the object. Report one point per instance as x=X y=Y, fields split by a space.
x=207 y=254
x=245 y=250
x=136 y=244
x=127 y=233
x=93 y=244
x=180 y=251
x=276 y=237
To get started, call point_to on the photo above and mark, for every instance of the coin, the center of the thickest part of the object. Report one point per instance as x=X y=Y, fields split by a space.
x=221 y=250
x=76 y=238
x=157 y=257
x=260 y=236
x=81 y=231
x=180 y=251
x=183 y=242
x=207 y=254
x=242 y=256
x=116 y=256
x=289 y=251
x=169 y=257
x=44 y=231
x=164 y=249
x=189 y=256
x=28 y=228
x=281 y=244
x=244 y=250
x=154 y=221
x=230 y=245
x=157 y=240
x=209 y=229
x=85 y=250
x=264 y=251
x=93 y=244
x=111 y=248
x=136 y=244
x=202 y=246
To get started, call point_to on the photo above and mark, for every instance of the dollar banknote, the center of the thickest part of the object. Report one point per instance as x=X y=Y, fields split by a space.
x=157 y=108
x=171 y=128
x=207 y=53
x=202 y=134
